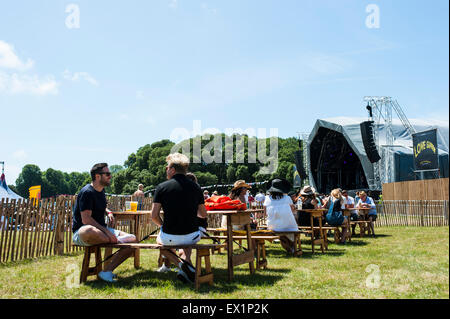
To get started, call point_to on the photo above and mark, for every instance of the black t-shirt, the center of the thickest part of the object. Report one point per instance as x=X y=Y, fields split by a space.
x=89 y=199
x=179 y=198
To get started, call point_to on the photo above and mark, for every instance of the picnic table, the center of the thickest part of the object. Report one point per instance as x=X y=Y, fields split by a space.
x=316 y=213
x=137 y=217
x=238 y=217
x=362 y=223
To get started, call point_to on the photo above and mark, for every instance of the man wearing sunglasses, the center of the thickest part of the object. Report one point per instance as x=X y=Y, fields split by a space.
x=89 y=225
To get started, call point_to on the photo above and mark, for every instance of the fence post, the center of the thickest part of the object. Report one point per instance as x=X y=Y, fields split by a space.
x=59 y=234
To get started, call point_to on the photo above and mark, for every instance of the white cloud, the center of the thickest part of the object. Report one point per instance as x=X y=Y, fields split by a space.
x=29 y=84
x=19 y=155
x=139 y=95
x=77 y=76
x=9 y=59
x=14 y=82
x=173 y=4
x=206 y=8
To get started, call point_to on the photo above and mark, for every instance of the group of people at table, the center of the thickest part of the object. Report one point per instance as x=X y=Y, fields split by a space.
x=185 y=215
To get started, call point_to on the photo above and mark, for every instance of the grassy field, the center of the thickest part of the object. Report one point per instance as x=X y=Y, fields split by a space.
x=401 y=262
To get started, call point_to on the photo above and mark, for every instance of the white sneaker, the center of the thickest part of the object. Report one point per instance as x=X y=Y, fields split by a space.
x=163 y=269
x=107 y=276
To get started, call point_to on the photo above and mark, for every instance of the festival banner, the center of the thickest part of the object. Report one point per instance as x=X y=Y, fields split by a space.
x=425 y=150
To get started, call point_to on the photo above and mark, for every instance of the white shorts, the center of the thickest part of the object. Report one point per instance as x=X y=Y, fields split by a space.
x=175 y=240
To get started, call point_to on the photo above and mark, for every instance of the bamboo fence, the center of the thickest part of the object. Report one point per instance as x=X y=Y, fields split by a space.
x=32 y=229
x=424 y=213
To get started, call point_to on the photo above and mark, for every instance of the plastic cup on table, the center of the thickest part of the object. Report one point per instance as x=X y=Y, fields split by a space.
x=127 y=205
x=134 y=206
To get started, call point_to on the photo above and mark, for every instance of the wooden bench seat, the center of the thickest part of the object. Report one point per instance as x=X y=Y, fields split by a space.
x=203 y=252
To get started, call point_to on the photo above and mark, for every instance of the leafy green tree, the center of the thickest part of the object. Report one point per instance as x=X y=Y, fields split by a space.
x=54 y=183
x=115 y=168
x=206 y=179
x=31 y=175
x=231 y=174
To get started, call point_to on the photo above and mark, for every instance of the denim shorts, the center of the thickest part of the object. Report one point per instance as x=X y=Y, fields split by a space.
x=76 y=240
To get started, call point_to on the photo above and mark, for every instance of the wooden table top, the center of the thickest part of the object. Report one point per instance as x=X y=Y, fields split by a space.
x=317 y=210
x=130 y=213
x=230 y=212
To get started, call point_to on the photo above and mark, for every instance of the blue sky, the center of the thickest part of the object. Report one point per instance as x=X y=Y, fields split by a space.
x=135 y=70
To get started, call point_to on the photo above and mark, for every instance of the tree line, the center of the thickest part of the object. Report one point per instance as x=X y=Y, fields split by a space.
x=147 y=166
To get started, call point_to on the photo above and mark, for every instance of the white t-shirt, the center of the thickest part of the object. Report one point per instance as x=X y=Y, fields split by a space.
x=260 y=197
x=349 y=200
x=279 y=214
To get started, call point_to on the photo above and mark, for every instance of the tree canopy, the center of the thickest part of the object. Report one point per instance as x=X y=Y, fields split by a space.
x=223 y=160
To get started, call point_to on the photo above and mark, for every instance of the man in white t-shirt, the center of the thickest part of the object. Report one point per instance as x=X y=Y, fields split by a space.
x=349 y=202
x=260 y=197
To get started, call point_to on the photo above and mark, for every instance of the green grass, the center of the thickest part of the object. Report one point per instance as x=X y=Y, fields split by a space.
x=413 y=263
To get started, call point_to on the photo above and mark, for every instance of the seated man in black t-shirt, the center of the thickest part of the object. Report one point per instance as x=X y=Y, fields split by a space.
x=182 y=201
x=89 y=226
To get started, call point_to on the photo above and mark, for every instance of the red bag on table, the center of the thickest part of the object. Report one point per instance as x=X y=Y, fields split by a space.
x=224 y=203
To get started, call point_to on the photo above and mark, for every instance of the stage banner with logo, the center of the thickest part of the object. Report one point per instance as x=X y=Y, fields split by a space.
x=425 y=150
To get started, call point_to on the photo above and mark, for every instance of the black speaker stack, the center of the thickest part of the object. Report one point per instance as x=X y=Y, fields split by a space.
x=369 y=142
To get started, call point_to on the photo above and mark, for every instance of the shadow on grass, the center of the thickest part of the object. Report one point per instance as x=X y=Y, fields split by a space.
x=307 y=253
x=153 y=279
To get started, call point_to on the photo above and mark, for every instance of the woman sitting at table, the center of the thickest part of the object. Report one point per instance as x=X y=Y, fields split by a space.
x=335 y=217
x=279 y=209
x=239 y=191
x=309 y=201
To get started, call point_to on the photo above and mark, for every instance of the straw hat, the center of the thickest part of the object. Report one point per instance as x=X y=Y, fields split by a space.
x=240 y=183
x=215 y=193
x=307 y=190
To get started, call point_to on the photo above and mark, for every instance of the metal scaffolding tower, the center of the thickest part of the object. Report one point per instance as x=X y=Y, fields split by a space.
x=380 y=111
x=303 y=137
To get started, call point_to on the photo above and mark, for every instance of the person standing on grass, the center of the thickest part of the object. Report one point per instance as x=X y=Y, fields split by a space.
x=89 y=225
x=182 y=201
x=139 y=196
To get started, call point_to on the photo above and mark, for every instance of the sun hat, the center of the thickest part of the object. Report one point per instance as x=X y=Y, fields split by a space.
x=307 y=190
x=279 y=185
x=239 y=184
x=215 y=193
x=205 y=191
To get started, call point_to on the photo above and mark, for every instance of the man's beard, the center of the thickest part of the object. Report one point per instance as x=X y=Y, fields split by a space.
x=105 y=183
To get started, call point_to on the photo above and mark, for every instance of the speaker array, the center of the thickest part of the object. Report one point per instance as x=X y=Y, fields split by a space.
x=369 y=142
x=299 y=164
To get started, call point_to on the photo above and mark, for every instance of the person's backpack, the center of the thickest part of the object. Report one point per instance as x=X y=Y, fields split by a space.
x=334 y=217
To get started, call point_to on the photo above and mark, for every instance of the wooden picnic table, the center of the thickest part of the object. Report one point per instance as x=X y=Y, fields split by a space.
x=364 y=211
x=316 y=213
x=240 y=217
x=136 y=230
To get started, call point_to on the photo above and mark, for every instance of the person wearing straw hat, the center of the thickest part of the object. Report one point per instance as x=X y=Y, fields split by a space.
x=238 y=191
x=309 y=201
x=280 y=211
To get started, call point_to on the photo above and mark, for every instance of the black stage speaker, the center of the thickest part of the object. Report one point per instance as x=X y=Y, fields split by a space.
x=299 y=164
x=368 y=141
